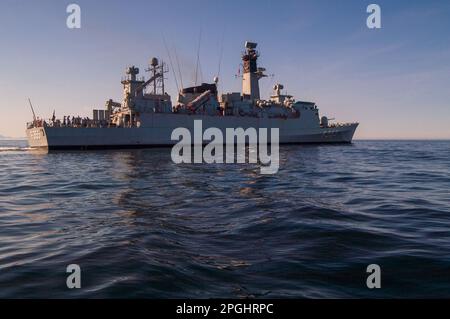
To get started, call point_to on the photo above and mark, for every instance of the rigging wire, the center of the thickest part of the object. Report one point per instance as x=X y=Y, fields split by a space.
x=170 y=61
x=221 y=53
x=179 y=69
x=198 y=56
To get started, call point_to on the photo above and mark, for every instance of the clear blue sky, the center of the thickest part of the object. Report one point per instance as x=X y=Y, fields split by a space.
x=394 y=81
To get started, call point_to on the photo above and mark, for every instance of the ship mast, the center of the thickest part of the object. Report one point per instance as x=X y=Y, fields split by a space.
x=252 y=74
x=157 y=70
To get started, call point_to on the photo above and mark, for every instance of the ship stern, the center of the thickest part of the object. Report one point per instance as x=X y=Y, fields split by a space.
x=37 y=137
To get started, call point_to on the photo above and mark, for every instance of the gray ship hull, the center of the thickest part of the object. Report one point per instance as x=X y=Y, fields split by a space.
x=159 y=128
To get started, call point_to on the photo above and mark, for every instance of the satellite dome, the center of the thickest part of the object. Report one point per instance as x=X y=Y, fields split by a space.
x=154 y=62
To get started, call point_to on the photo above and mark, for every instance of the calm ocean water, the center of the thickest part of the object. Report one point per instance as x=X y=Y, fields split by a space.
x=140 y=226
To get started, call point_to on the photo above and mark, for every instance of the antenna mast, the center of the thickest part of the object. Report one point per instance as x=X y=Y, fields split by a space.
x=32 y=110
x=158 y=70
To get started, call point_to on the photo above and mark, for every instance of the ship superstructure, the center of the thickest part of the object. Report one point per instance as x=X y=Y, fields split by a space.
x=146 y=116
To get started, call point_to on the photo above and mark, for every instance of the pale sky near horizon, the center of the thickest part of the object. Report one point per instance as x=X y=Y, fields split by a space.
x=394 y=81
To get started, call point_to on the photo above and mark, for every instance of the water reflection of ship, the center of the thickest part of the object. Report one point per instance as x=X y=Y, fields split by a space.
x=133 y=168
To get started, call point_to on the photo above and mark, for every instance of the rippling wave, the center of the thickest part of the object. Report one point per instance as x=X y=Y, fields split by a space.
x=12 y=149
x=141 y=226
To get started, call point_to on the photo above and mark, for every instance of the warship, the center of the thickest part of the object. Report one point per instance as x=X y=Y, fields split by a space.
x=146 y=117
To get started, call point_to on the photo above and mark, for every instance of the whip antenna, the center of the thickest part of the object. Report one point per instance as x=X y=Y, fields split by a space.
x=198 y=56
x=179 y=69
x=221 y=54
x=32 y=109
x=170 y=61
